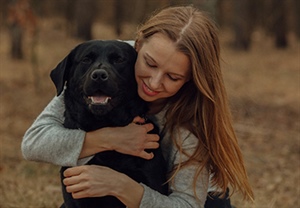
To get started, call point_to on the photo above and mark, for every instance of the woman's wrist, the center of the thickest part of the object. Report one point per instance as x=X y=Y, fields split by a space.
x=94 y=142
x=128 y=191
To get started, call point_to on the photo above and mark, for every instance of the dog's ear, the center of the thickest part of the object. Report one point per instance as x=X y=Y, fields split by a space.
x=59 y=74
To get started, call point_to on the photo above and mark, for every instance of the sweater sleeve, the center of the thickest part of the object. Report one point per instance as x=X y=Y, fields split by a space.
x=182 y=191
x=47 y=140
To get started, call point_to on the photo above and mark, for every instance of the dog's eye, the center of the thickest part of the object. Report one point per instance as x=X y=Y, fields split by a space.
x=118 y=60
x=86 y=60
x=115 y=58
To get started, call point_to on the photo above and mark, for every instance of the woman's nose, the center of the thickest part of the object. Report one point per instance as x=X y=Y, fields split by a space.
x=155 y=81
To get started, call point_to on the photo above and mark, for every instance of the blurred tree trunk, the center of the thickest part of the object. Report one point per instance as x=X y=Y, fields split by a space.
x=139 y=11
x=84 y=16
x=69 y=14
x=279 y=28
x=243 y=23
x=21 y=19
x=296 y=4
x=16 y=29
x=118 y=17
x=220 y=13
x=16 y=35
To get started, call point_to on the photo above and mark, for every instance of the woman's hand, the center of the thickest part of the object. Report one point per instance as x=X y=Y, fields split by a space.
x=98 y=181
x=131 y=139
x=90 y=181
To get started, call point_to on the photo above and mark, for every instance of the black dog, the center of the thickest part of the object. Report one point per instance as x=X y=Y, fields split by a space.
x=100 y=92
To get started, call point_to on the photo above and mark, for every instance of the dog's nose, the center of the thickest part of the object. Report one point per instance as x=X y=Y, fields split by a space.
x=99 y=75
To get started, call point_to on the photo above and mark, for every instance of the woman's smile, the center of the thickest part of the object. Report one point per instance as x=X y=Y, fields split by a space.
x=148 y=91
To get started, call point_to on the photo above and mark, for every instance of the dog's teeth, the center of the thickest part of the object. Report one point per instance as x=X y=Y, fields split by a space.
x=96 y=100
x=107 y=99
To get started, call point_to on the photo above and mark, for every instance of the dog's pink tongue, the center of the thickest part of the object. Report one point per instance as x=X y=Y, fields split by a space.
x=100 y=99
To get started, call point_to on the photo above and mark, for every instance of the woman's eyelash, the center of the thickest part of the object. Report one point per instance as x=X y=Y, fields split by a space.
x=174 y=79
x=151 y=65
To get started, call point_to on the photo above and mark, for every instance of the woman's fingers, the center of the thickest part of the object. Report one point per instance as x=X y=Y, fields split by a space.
x=74 y=188
x=148 y=127
x=146 y=155
x=151 y=142
x=151 y=145
x=71 y=180
x=152 y=138
x=73 y=171
x=79 y=194
x=138 y=120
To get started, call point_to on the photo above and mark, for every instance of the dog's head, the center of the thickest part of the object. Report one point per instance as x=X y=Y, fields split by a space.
x=98 y=74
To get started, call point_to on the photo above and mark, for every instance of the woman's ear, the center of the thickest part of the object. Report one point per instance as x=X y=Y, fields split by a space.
x=138 y=45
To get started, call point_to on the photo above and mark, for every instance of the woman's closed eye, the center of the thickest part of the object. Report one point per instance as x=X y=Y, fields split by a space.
x=150 y=64
x=173 y=78
x=149 y=61
x=170 y=76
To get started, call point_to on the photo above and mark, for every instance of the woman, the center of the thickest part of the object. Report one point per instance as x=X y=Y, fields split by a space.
x=178 y=73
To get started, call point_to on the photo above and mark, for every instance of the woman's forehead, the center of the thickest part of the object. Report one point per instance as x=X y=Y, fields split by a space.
x=163 y=53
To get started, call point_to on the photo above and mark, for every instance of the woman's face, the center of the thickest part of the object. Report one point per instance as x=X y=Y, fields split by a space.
x=160 y=70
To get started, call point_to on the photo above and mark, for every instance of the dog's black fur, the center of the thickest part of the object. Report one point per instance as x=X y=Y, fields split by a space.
x=92 y=71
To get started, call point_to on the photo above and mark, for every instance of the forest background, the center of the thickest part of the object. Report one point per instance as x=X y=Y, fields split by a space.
x=261 y=67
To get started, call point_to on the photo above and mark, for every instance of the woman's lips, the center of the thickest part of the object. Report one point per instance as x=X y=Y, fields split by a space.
x=148 y=91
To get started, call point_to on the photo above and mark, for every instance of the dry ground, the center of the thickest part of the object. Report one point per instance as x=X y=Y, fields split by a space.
x=263 y=87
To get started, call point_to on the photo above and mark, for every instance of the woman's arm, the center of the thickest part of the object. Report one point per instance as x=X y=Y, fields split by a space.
x=47 y=140
x=131 y=140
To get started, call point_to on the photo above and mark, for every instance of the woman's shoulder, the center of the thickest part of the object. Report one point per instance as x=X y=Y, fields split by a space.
x=57 y=104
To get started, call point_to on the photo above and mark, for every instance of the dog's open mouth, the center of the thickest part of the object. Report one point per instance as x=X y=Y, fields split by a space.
x=99 y=99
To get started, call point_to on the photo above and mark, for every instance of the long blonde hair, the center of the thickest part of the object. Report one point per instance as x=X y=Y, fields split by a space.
x=201 y=105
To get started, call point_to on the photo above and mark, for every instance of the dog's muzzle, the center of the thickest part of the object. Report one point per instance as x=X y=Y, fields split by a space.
x=99 y=98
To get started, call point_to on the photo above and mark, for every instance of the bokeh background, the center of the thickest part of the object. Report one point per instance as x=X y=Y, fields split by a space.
x=261 y=67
